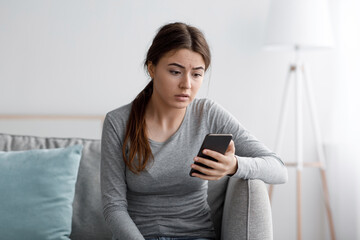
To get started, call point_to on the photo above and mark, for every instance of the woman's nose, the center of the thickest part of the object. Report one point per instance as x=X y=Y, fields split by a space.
x=186 y=82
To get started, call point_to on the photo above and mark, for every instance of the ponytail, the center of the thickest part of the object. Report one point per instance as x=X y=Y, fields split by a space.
x=136 y=144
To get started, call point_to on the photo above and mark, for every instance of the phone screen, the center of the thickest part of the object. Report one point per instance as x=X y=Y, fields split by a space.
x=215 y=142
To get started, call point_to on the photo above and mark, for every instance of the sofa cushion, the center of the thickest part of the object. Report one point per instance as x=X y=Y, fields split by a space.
x=37 y=191
x=87 y=221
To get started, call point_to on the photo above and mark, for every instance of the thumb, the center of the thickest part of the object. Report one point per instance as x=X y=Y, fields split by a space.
x=231 y=148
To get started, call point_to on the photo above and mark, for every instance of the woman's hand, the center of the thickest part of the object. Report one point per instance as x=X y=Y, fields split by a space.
x=226 y=164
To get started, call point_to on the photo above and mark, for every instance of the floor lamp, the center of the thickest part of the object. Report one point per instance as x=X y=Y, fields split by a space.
x=300 y=25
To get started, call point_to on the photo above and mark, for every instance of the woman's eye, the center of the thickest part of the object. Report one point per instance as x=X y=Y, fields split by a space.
x=174 y=72
x=197 y=75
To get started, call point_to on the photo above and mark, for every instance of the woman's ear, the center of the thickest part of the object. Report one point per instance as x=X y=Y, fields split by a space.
x=151 y=69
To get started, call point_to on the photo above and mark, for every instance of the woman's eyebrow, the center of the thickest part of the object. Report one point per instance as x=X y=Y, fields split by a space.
x=180 y=66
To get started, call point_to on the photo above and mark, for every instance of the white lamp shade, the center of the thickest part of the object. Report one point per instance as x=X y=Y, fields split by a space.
x=298 y=24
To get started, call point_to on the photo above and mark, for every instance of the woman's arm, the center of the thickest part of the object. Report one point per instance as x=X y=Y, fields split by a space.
x=251 y=158
x=255 y=160
x=263 y=168
x=113 y=186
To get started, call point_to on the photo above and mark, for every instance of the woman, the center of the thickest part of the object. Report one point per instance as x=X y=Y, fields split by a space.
x=150 y=145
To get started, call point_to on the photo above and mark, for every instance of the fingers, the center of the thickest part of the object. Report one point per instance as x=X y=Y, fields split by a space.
x=215 y=171
x=225 y=164
x=206 y=177
x=218 y=156
x=207 y=162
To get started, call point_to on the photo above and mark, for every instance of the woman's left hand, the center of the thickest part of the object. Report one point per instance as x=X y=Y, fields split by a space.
x=226 y=164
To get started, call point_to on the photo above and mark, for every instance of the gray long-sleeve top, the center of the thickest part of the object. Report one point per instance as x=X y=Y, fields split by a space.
x=164 y=200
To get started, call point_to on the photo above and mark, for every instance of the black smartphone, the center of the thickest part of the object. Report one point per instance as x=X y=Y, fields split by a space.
x=215 y=142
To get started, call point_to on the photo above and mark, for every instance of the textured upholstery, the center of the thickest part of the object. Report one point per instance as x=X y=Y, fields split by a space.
x=88 y=222
x=240 y=208
x=247 y=211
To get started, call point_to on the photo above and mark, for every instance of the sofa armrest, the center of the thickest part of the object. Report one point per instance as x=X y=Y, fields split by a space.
x=247 y=211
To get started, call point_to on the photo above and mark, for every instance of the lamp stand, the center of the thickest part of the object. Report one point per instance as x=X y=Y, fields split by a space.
x=301 y=81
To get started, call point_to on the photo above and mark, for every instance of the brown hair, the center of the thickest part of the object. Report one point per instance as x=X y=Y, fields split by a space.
x=170 y=37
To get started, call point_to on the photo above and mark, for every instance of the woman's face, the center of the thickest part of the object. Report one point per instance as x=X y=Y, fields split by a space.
x=177 y=78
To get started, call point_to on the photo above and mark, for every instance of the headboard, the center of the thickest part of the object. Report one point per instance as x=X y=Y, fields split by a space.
x=47 y=125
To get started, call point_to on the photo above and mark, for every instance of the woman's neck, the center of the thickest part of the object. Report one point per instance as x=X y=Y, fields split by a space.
x=162 y=121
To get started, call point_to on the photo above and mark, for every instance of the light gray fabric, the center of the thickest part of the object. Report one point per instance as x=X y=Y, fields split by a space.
x=259 y=218
x=247 y=211
x=88 y=222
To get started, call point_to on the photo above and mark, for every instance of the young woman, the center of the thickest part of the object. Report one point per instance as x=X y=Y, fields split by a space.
x=150 y=145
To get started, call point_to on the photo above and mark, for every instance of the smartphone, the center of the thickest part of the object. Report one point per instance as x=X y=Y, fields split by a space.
x=215 y=142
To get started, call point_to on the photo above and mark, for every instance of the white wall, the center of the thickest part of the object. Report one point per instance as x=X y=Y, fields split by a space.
x=85 y=57
x=344 y=146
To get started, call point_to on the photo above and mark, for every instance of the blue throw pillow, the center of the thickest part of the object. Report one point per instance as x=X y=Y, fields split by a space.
x=37 y=189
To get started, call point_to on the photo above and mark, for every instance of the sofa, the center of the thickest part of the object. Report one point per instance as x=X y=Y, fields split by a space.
x=240 y=208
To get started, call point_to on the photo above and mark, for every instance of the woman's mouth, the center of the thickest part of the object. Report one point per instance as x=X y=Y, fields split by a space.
x=182 y=97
